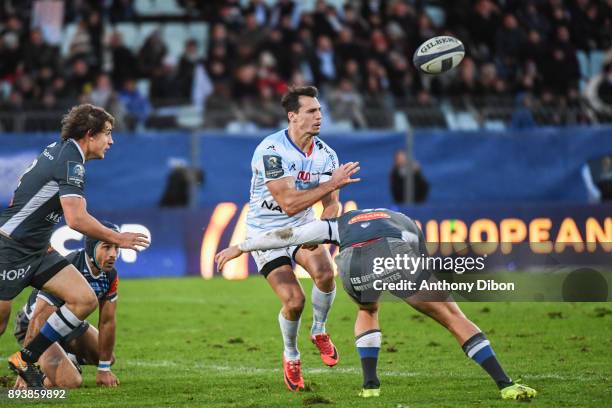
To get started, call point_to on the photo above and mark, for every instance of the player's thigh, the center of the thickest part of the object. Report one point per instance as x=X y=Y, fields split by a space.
x=318 y=263
x=286 y=286
x=21 y=267
x=5 y=314
x=58 y=368
x=85 y=346
x=70 y=286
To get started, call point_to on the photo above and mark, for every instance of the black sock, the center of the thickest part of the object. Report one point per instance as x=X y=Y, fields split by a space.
x=479 y=349
x=368 y=366
x=368 y=346
x=32 y=352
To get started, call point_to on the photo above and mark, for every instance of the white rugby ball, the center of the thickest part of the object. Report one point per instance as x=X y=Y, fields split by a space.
x=438 y=54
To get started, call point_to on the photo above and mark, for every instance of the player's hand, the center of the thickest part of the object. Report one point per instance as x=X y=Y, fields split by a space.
x=342 y=175
x=227 y=255
x=20 y=384
x=134 y=240
x=106 y=379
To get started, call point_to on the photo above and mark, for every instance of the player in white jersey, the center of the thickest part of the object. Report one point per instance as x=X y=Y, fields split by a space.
x=292 y=170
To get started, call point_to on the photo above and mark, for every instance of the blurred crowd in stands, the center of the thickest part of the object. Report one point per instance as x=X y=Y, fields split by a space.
x=528 y=62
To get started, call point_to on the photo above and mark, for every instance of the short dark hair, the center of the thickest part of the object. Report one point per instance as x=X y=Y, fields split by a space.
x=291 y=98
x=82 y=119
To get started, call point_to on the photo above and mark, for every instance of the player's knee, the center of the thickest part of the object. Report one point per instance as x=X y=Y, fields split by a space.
x=369 y=308
x=84 y=304
x=295 y=305
x=324 y=278
x=90 y=302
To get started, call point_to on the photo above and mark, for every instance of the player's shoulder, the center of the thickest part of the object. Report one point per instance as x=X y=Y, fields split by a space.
x=324 y=151
x=272 y=143
x=70 y=150
x=76 y=258
x=322 y=146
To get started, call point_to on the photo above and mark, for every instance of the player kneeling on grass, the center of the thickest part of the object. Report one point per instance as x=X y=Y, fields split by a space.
x=61 y=362
x=364 y=235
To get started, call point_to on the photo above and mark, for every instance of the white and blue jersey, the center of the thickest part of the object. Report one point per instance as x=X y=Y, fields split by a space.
x=277 y=157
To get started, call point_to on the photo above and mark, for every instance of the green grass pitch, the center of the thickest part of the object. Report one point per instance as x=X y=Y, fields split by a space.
x=190 y=342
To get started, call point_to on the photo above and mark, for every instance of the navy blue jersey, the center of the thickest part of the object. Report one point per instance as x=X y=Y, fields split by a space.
x=364 y=225
x=105 y=284
x=35 y=209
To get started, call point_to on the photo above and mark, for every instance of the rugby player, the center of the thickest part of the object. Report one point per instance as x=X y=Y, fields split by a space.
x=51 y=187
x=61 y=362
x=364 y=235
x=292 y=170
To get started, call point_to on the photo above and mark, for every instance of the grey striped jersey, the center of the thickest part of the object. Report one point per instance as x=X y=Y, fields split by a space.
x=35 y=208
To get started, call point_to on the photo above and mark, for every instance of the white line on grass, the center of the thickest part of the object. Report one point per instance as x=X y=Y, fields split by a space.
x=334 y=371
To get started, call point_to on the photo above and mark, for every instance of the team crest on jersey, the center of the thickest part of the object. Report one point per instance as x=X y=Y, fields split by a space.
x=368 y=217
x=75 y=174
x=273 y=166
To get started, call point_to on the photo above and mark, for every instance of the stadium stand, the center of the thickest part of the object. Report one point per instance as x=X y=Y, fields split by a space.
x=528 y=62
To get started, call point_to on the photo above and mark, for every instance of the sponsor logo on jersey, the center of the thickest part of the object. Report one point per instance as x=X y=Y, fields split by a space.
x=53 y=217
x=303 y=176
x=369 y=217
x=75 y=174
x=273 y=166
x=48 y=155
x=272 y=206
x=13 y=274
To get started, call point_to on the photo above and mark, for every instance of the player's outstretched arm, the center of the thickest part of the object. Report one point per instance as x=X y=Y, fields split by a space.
x=293 y=201
x=77 y=218
x=315 y=232
x=106 y=343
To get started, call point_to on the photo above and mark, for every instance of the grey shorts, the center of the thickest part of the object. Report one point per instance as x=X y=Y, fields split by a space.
x=21 y=328
x=356 y=266
x=21 y=267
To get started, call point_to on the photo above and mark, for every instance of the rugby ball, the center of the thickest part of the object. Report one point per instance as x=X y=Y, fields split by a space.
x=438 y=55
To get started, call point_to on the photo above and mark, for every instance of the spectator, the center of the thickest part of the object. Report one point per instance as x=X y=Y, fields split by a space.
x=597 y=176
x=397 y=179
x=347 y=104
x=152 y=53
x=177 y=192
x=325 y=69
x=38 y=54
x=220 y=110
x=260 y=11
x=80 y=45
x=80 y=80
x=136 y=106
x=186 y=69
x=522 y=118
x=124 y=62
x=266 y=113
x=253 y=34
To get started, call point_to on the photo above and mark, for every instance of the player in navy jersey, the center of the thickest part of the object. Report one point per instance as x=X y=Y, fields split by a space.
x=85 y=345
x=365 y=236
x=52 y=187
x=292 y=170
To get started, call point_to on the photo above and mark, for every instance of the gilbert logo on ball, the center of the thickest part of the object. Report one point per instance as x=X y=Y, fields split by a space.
x=438 y=55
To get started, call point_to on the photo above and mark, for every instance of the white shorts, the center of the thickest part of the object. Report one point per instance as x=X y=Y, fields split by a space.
x=271 y=259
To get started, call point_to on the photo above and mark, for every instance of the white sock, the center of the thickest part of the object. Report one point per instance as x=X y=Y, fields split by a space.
x=321 y=303
x=289 y=329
